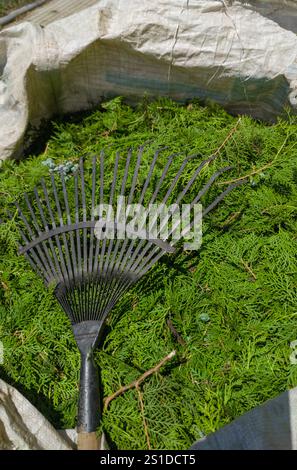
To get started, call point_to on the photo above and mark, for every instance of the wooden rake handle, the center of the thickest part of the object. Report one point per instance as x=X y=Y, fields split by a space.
x=88 y=441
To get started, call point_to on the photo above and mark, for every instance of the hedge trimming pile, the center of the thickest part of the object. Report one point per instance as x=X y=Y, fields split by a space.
x=233 y=302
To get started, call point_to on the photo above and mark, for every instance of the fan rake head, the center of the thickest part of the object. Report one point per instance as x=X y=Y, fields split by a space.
x=65 y=240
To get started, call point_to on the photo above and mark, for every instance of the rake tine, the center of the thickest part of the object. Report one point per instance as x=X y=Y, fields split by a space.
x=35 y=265
x=148 y=179
x=91 y=250
x=119 y=241
x=101 y=201
x=193 y=179
x=103 y=245
x=84 y=213
x=78 y=246
x=53 y=251
x=110 y=244
x=223 y=195
x=163 y=176
x=53 y=222
x=69 y=222
x=92 y=213
x=38 y=230
x=84 y=230
x=72 y=258
x=68 y=269
x=37 y=254
x=135 y=174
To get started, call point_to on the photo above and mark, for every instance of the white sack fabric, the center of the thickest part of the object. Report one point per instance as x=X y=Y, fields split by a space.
x=225 y=51
x=22 y=427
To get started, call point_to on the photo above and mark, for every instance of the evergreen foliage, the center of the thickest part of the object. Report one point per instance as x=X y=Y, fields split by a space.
x=6 y=6
x=233 y=302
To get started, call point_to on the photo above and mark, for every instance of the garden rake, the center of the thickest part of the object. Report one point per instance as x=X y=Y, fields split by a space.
x=59 y=227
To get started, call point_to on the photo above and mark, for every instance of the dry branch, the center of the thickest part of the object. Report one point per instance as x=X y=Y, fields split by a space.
x=175 y=333
x=140 y=399
x=137 y=382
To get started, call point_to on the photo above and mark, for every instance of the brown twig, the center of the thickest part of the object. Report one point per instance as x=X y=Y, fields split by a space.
x=259 y=170
x=252 y=173
x=175 y=333
x=46 y=149
x=137 y=382
x=248 y=269
x=4 y=285
x=140 y=399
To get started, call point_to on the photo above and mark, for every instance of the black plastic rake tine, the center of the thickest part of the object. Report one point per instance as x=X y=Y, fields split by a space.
x=223 y=195
x=68 y=267
x=36 y=254
x=105 y=263
x=98 y=241
x=91 y=257
x=150 y=173
x=29 y=256
x=46 y=228
x=84 y=214
x=135 y=174
x=193 y=179
x=91 y=250
x=78 y=245
x=71 y=249
x=48 y=258
x=101 y=201
x=103 y=280
x=53 y=222
x=69 y=222
x=85 y=233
